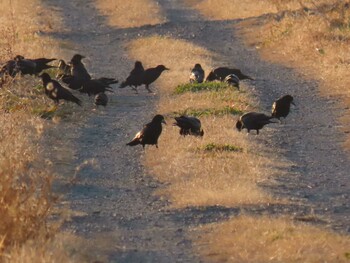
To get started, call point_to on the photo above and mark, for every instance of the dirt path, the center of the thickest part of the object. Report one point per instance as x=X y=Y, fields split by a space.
x=118 y=199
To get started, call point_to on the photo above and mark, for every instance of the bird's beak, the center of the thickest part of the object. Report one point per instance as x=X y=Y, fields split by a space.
x=167 y=68
x=163 y=121
x=293 y=103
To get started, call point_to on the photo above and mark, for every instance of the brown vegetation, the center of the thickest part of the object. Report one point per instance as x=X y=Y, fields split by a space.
x=27 y=204
x=265 y=239
x=124 y=14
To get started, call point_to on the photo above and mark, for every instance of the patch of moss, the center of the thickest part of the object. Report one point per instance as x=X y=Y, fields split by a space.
x=206 y=86
x=213 y=147
x=208 y=112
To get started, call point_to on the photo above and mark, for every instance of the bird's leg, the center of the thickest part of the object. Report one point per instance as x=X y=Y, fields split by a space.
x=157 y=146
x=147 y=88
x=257 y=132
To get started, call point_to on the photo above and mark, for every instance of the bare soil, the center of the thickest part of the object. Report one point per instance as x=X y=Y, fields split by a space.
x=117 y=199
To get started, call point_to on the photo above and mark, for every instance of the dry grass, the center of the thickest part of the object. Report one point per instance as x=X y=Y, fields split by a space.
x=27 y=204
x=126 y=14
x=198 y=177
x=236 y=9
x=266 y=239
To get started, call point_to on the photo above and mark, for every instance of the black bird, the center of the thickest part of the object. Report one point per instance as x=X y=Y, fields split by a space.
x=95 y=86
x=152 y=74
x=189 y=125
x=150 y=133
x=222 y=72
x=197 y=74
x=56 y=92
x=79 y=72
x=253 y=121
x=9 y=68
x=63 y=69
x=281 y=107
x=101 y=99
x=233 y=80
x=25 y=66
x=135 y=77
x=32 y=66
x=41 y=64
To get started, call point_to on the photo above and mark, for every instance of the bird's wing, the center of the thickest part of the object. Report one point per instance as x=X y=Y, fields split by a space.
x=139 y=135
x=274 y=107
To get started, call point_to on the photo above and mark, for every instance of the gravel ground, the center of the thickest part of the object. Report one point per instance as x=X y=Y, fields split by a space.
x=117 y=199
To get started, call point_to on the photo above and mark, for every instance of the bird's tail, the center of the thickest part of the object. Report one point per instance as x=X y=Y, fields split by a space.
x=133 y=143
x=109 y=81
x=76 y=100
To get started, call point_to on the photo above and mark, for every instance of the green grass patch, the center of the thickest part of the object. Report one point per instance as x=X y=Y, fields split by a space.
x=213 y=147
x=207 y=112
x=206 y=86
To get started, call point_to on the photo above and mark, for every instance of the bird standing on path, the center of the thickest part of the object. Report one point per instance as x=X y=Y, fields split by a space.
x=152 y=74
x=253 y=121
x=135 y=77
x=189 y=125
x=222 y=72
x=197 y=74
x=78 y=72
x=150 y=133
x=56 y=92
x=281 y=107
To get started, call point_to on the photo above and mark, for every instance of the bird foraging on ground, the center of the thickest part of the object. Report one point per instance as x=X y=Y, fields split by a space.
x=32 y=66
x=233 y=80
x=135 y=77
x=197 y=74
x=101 y=99
x=281 y=107
x=95 y=86
x=150 y=133
x=63 y=69
x=222 y=72
x=152 y=74
x=189 y=125
x=78 y=71
x=253 y=121
x=56 y=92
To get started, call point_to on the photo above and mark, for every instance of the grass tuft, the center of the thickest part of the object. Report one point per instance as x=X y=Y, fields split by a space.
x=207 y=112
x=213 y=147
x=197 y=87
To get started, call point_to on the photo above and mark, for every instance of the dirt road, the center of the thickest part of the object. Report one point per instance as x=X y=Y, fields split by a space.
x=117 y=199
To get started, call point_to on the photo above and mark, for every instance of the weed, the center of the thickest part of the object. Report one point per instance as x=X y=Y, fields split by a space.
x=207 y=112
x=213 y=147
x=206 y=86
